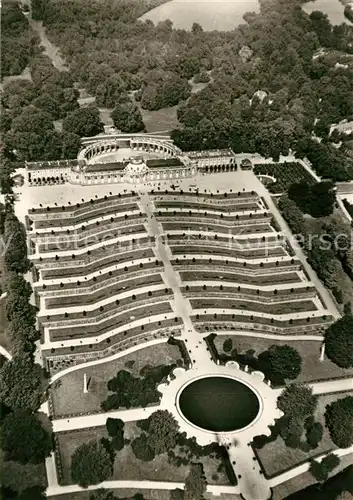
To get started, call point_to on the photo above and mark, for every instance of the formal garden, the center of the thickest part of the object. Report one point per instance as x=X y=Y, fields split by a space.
x=285 y=175
x=143 y=450
x=298 y=445
x=67 y=392
x=248 y=349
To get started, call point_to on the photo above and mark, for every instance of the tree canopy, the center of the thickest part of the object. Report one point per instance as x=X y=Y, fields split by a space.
x=24 y=439
x=195 y=483
x=280 y=363
x=297 y=399
x=339 y=420
x=90 y=464
x=339 y=341
x=21 y=383
x=84 y=122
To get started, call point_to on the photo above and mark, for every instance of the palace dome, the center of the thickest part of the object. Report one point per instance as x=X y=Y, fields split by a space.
x=136 y=166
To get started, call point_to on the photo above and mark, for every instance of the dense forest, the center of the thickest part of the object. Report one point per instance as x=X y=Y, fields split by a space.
x=122 y=61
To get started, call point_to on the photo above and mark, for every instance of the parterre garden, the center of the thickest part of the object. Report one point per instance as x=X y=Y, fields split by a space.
x=285 y=175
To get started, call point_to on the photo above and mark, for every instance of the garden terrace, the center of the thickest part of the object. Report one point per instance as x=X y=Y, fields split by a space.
x=285 y=175
x=248 y=195
x=247 y=240
x=114 y=246
x=236 y=207
x=84 y=206
x=85 y=241
x=89 y=265
x=62 y=219
x=218 y=228
x=212 y=213
x=96 y=282
x=227 y=277
x=266 y=266
x=101 y=327
x=90 y=228
x=261 y=294
x=226 y=251
x=97 y=311
x=119 y=341
x=124 y=211
x=108 y=289
x=243 y=218
x=204 y=322
x=256 y=306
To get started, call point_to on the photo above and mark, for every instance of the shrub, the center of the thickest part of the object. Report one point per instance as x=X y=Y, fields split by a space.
x=227 y=345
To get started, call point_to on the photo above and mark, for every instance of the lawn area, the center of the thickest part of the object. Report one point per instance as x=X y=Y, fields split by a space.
x=67 y=392
x=285 y=174
x=312 y=367
x=163 y=120
x=304 y=480
x=276 y=457
x=127 y=466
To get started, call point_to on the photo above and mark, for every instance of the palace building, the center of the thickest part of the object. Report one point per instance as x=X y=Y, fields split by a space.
x=132 y=158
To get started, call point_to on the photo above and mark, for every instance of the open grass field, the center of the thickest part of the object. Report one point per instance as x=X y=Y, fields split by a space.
x=285 y=174
x=127 y=466
x=276 y=457
x=312 y=367
x=67 y=392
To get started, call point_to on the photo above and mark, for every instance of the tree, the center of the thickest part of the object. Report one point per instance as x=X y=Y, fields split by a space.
x=228 y=345
x=102 y=494
x=339 y=420
x=21 y=384
x=339 y=341
x=281 y=362
x=162 y=431
x=33 y=493
x=15 y=245
x=127 y=117
x=314 y=432
x=84 y=122
x=297 y=400
x=6 y=170
x=195 y=483
x=90 y=464
x=177 y=494
x=321 y=470
x=317 y=200
x=32 y=119
x=115 y=428
x=142 y=449
x=71 y=144
x=24 y=439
